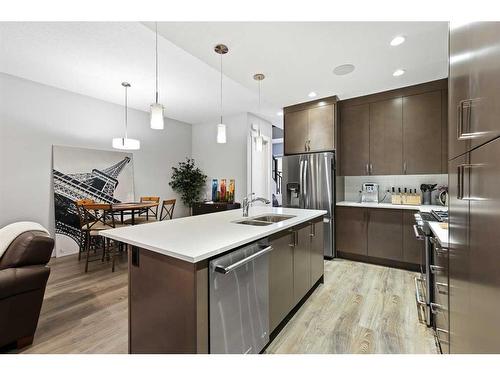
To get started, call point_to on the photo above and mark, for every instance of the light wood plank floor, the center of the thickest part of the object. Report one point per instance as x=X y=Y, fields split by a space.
x=361 y=308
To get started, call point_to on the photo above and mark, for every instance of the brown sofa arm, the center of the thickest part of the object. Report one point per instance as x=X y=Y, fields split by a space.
x=29 y=248
x=14 y=281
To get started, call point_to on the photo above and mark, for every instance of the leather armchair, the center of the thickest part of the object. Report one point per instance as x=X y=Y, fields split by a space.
x=23 y=277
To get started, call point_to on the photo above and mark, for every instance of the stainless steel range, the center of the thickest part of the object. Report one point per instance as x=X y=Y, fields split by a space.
x=424 y=284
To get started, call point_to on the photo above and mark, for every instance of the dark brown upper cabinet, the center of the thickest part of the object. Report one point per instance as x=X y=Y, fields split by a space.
x=386 y=137
x=422 y=133
x=310 y=127
x=355 y=140
x=395 y=132
x=474 y=86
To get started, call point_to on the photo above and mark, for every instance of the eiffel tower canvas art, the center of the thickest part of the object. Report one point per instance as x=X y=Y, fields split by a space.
x=79 y=173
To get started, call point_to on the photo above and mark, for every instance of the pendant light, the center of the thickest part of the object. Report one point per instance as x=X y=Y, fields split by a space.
x=259 y=140
x=221 y=49
x=126 y=143
x=156 y=108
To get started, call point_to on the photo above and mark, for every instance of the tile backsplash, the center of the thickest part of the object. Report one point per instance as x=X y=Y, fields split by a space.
x=352 y=184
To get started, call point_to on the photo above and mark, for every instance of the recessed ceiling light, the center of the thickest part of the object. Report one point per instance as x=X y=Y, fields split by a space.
x=398 y=40
x=280 y=113
x=342 y=70
x=398 y=72
x=312 y=94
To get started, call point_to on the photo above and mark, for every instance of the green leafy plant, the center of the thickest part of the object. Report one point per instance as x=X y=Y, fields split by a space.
x=188 y=180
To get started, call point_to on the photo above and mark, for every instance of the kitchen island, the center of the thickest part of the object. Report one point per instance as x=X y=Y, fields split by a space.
x=169 y=286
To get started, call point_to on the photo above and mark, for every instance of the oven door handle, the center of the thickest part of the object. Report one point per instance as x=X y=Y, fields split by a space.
x=418 y=236
x=420 y=301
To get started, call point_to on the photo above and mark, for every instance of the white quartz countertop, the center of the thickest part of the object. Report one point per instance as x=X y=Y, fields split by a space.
x=423 y=208
x=440 y=232
x=196 y=238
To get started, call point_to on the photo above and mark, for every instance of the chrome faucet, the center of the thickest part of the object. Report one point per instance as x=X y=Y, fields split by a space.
x=247 y=201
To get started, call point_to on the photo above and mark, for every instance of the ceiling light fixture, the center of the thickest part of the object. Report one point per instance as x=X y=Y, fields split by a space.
x=156 y=121
x=344 y=69
x=126 y=143
x=259 y=140
x=396 y=41
x=398 y=72
x=221 y=49
x=312 y=94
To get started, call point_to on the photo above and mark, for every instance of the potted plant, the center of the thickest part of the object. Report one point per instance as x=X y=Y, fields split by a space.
x=189 y=181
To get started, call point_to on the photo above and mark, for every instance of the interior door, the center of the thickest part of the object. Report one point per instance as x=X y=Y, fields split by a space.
x=296 y=132
x=422 y=133
x=459 y=258
x=386 y=137
x=355 y=140
x=484 y=240
x=321 y=128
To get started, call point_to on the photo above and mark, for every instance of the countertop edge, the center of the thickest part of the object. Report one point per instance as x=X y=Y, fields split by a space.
x=390 y=206
x=108 y=234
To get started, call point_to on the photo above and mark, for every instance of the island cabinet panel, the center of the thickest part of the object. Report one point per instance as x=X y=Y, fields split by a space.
x=413 y=249
x=351 y=230
x=157 y=324
x=301 y=263
x=280 y=277
x=317 y=250
x=385 y=234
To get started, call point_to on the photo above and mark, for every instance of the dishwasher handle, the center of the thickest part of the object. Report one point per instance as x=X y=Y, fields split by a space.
x=232 y=267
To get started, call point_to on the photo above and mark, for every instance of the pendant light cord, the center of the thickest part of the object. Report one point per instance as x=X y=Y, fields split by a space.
x=156 y=60
x=221 y=88
x=126 y=115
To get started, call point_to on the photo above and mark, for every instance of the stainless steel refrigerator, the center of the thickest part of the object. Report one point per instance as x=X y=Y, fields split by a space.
x=309 y=182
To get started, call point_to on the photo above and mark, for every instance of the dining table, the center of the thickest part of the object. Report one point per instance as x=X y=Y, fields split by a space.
x=132 y=208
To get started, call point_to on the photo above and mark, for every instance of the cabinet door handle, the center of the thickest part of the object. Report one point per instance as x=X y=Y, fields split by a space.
x=436 y=269
x=461 y=179
x=313 y=230
x=371 y=168
x=435 y=308
x=404 y=167
x=292 y=233
x=440 y=331
x=367 y=169
x=442 y=285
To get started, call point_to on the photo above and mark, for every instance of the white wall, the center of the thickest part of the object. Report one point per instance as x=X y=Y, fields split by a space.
x=229 y=160
x=33 y=117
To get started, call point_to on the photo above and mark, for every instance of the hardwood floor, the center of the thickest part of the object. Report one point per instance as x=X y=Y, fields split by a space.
x=361 y=308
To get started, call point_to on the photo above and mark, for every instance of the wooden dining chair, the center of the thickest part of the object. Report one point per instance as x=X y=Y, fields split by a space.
x=167 y=209
x=147 y=215
x=81 y=218
x=98 y=217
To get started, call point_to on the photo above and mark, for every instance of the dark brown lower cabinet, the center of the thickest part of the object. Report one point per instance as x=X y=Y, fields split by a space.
x=378 y=235
x=301 y=264
x=351 y=230
x=295 y=265
x=413 y=249
x=385 y=234
x=280 y=278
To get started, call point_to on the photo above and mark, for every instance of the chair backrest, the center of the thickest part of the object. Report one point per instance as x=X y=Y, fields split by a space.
x=97 y=216
x=154 y=209
x=79 y=209
x=167 y=209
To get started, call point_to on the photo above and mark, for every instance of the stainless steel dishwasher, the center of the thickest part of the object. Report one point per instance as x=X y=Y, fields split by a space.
x=239 y=300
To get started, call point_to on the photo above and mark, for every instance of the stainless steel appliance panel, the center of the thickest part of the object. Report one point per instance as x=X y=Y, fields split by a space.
x=309 y=181
x=239 y=300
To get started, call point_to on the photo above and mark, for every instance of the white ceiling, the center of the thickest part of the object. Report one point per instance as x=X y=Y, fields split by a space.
x=93 y=58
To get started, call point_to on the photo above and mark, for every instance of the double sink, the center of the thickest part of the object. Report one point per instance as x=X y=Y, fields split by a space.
x=264 y=220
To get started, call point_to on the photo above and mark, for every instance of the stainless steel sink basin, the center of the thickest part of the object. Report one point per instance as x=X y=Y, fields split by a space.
x=273 y=218
x=264 y=220
x=254 y=222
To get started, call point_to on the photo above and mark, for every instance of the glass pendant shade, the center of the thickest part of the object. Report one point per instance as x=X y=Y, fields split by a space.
x=126 y=144
x=157 y=116
x=221 y=133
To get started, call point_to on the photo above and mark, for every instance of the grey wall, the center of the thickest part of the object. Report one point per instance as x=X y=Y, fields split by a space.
x=33 y=117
